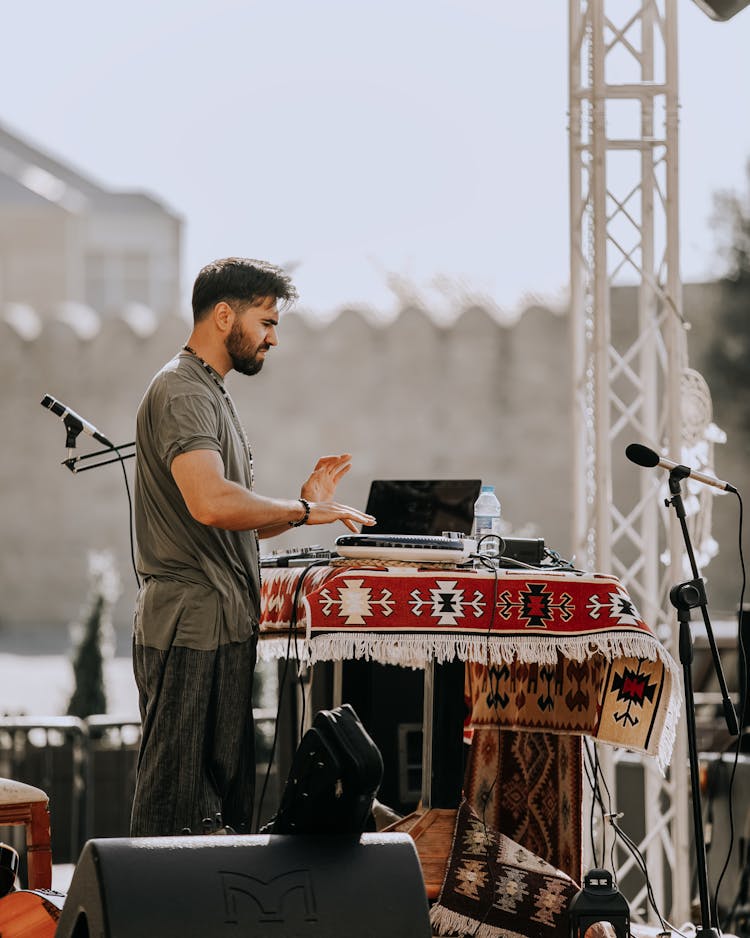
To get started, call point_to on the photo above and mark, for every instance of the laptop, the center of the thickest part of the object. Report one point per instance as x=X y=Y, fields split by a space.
x=422 y=507
x=413 y=518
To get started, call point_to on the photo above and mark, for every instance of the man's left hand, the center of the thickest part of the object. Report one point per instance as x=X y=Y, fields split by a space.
x=328 y=472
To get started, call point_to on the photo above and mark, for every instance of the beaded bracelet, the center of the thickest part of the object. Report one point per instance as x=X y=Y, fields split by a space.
x=304 y=518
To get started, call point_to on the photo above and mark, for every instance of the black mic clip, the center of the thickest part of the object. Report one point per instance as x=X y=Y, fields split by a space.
x=73 y=429
x=679 y=472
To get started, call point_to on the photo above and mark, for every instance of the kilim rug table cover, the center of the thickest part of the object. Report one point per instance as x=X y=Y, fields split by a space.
x=560 y=652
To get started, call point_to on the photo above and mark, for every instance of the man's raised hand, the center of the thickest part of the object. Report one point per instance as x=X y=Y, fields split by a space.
x=328 y=472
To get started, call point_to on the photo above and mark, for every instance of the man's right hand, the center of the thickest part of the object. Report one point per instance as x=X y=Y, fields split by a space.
x=329 y=512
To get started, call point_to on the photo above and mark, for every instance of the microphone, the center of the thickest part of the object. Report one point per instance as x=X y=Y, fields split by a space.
x=74 y=421
x=643 y=456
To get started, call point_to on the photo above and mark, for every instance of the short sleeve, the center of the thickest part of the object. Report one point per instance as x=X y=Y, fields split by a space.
x=189 y=422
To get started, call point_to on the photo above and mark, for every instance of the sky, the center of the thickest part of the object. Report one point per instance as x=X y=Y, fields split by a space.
x=381 y=150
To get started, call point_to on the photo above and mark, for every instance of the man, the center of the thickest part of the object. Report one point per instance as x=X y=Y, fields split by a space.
x=197 y=524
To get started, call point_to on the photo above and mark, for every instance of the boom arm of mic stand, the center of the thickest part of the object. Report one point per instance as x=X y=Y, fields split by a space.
x=100 y=456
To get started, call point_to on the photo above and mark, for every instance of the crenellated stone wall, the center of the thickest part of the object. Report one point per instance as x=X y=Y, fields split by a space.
x=408 y=398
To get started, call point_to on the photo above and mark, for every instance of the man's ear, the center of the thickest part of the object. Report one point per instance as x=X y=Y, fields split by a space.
x=223 y=316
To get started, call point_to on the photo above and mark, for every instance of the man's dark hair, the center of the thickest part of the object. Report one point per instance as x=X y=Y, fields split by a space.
x=239 y=278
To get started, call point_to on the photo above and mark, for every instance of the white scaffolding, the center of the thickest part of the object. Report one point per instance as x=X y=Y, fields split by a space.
x=628 y=366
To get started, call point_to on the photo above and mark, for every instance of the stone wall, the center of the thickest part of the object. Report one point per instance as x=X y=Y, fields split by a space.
x=408 y=399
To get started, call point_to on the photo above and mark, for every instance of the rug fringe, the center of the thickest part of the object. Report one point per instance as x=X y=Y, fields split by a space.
x=409 y=650
x=275 y=649
x=414 y=651
x=447 y=922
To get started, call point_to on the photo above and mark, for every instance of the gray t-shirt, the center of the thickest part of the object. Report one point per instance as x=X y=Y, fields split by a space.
x=200 y=584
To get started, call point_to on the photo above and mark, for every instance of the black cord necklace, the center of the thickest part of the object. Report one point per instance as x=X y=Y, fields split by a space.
x=218 y=381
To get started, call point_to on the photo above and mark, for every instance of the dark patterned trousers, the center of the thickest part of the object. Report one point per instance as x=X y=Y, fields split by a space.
x=197 y=754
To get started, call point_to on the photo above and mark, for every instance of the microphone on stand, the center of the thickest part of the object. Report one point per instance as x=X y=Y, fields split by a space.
x=74 y=421
x=643 y=456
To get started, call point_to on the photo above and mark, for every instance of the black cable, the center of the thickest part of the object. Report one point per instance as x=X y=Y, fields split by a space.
x=641 y=863
x=121 y=460
x=627 y=841
x=490 y=861
x=558 y=562
x=611 y=815
x=272 y=753
x=282 y=682
x=490 y=565
x=72 y=463
x=742 y=890
x=743 y=715
x=300 y=681
x=592 y=783
x=324 y=561
x=597 y=799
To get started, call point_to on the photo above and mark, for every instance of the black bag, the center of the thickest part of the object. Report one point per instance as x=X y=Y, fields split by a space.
x=335 y=775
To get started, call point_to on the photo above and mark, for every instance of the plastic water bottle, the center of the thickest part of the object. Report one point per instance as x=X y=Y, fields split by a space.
x=487 y=521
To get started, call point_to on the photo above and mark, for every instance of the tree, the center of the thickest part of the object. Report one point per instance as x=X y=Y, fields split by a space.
x=93 y=636
x=728 y=358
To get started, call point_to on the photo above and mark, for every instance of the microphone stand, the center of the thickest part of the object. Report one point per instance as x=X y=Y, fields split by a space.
x=73 y=429
x=684 y=597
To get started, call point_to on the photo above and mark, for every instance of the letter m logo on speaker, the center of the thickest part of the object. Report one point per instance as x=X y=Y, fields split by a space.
x=274 y=900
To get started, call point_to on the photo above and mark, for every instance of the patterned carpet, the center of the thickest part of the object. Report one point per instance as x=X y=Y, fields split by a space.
x=528 y=786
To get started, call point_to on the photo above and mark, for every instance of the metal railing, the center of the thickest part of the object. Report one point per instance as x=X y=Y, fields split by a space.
x=87 y=769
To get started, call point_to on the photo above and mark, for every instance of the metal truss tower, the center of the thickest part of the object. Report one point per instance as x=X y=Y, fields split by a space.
x=630 y=362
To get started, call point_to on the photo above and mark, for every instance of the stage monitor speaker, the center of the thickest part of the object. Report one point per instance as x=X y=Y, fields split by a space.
x=247 y=885
x=385 y=697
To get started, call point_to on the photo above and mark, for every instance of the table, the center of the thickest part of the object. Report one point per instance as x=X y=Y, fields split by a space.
x=549 y=649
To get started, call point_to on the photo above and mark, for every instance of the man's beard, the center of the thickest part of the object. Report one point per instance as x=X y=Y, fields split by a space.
x=244 y=360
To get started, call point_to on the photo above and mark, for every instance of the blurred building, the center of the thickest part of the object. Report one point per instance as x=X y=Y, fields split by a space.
x=65 y=239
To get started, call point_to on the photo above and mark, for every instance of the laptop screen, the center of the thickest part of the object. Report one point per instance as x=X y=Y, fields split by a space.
x=418 y=506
